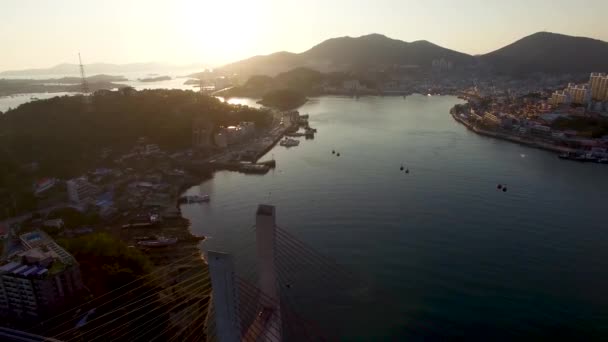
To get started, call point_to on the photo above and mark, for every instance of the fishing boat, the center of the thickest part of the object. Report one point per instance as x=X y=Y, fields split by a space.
x=289 y=142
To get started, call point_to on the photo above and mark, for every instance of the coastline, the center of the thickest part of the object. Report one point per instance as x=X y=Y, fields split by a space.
x=511 y=138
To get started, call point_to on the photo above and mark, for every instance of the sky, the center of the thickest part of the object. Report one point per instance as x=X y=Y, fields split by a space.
x=41 y=33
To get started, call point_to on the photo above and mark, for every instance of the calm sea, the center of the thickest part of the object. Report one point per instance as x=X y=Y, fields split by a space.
x=438 y=253
x=177 y=82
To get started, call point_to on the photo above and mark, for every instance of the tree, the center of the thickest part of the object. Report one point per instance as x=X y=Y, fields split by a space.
x=67 y=141
x=105 y=262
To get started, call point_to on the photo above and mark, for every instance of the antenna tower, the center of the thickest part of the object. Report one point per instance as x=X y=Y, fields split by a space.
x=85 y=86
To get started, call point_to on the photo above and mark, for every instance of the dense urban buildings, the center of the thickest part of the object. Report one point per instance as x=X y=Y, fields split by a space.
x=598 y=83
x=594 y=93
x=571 y=121
x=81 y=190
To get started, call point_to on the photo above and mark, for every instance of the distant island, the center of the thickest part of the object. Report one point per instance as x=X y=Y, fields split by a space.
x=155 y=79
x=100 y=68
x=56 y=85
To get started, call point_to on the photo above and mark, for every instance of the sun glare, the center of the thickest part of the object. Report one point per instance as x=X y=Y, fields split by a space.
x=220 y=30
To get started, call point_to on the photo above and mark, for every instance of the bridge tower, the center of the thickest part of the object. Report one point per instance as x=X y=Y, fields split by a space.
x=265 y=222
x=225 y=296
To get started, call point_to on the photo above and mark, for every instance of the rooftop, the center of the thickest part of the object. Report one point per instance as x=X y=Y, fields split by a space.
x=46 y=257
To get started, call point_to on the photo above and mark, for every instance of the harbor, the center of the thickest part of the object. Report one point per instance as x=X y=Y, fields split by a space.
x=245 y=157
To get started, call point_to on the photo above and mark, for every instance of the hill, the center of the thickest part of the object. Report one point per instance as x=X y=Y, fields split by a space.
x=550 y=53
x=301 y=80
x=66 y=139
x=347 y=53
x=283 y=99
x=540 y=52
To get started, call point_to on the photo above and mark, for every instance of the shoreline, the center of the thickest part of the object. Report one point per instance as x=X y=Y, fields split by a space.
x=511 y=138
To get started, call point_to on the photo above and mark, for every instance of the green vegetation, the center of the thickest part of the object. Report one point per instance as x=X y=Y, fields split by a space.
x=57 y=267
x=283 y=99
x=302 y=80
x=73 y=218
x=65 y=135
x=106 y=263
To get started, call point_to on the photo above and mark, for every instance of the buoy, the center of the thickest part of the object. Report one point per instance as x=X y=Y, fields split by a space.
x=504 y=189
x=407 y=171
x=401 y=168
x=338 y=154
x=288 y=286
x=333 y=151
x=499 y=186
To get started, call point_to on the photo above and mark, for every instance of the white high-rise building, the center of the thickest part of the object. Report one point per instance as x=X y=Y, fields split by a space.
x=579 y=94
x=598 y=83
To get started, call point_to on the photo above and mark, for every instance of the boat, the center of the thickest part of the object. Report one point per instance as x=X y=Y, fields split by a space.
x=304 y=116
x=254 y=168
x=603 y=160
x=198 y=199
x=590 y=157
x=270 y=163
x=158 y=242
x=565 y=155
x=194 y=199
x=289 y=142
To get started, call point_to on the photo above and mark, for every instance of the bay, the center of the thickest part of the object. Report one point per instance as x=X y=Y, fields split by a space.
x=438 y=253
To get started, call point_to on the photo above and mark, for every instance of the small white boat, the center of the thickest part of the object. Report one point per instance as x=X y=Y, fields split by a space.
x=289 y=142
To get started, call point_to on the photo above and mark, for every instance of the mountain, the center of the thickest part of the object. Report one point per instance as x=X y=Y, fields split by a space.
x=347 y=53
x=95 y=68
x=540 y=52
x=550 y=53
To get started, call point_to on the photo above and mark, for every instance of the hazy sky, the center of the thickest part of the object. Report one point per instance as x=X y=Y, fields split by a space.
x=41 y=33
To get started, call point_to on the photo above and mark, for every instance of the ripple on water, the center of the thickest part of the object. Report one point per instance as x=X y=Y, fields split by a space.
x=441 y=249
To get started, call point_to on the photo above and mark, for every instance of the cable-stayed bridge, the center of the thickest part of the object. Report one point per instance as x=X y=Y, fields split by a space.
x=215 y=302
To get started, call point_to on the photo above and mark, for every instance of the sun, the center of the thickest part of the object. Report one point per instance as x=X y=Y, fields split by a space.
x=220 y=30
